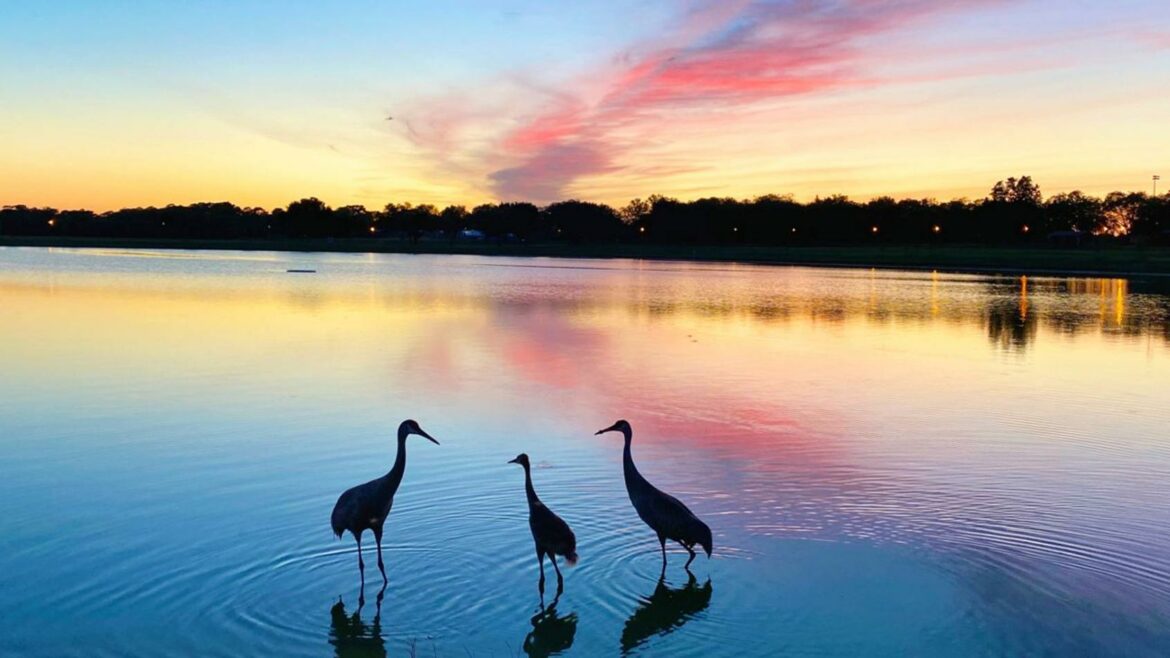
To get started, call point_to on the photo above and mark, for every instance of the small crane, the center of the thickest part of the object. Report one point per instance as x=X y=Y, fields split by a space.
x=551 y=534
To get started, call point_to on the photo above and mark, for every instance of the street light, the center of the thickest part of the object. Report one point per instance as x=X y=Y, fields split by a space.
x=1156 y=179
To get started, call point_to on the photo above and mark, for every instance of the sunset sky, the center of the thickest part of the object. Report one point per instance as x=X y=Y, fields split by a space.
x=107 y=104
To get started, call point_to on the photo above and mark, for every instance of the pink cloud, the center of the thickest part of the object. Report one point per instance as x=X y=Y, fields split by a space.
x=541 y=176
x=731 y=54
x=720 y=57
x=547 y=128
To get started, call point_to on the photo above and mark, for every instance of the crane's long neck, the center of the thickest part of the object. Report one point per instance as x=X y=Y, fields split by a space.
x=394 y=477
x=628 y=467
x=531 y=492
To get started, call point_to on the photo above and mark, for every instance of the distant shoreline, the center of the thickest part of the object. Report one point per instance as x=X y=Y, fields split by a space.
x=1104 y=261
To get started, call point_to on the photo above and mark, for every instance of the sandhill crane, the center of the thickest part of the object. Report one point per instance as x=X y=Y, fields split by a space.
x=366 y=506
x=665 y=515
x=551 y=534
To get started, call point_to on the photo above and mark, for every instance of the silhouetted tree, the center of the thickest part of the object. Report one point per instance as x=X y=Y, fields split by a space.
x=77 y=222
x=1119 y=213
x=1011 y=213
x=770 y=219
x=581 y=221
x=1153 y=219
x=634 y=211
x=353 y=221
x=22 y=220
x=307 y=218
x=516 y=220
x=838 y=218
x=452 y=220
x=411 y=221
x=1015 y=190
x=1073 y=211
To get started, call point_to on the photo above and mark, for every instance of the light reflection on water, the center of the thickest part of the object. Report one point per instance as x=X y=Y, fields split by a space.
x=893 y=463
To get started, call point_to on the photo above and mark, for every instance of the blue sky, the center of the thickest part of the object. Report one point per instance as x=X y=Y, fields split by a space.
x=106 y=104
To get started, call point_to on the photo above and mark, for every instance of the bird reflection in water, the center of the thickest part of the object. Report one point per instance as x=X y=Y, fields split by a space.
x=551 y=633
x=665 y=610
x=350 y=636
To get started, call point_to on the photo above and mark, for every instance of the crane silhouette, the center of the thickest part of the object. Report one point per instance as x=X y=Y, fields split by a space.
x=664 y=611
x=350 y=636
x=551 y=633
x=551 y=534
x=665 y=514
x=366 y=506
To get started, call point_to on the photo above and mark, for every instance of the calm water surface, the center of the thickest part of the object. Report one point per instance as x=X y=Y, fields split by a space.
x=893 y=463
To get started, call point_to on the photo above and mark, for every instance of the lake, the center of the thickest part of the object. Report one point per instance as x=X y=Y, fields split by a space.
x=893 y=463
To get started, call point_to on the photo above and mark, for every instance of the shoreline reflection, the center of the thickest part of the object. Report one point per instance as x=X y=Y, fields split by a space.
x=1014 y=311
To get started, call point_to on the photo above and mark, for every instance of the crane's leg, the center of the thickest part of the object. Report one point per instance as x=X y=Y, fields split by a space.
x=361 y=563
x=662 y=542
x=378 y=613
x=690 y=550
x=540 y=561
x=382 y=568
x=560 y=581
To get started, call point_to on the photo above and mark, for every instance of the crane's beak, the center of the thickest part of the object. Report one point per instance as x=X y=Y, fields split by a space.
x=611 y=428
x=514 y=461
x=427 y=436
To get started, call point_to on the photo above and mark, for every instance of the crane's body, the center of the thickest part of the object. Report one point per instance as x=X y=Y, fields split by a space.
x=366 y=506
x=551 y=535
x=665 y=514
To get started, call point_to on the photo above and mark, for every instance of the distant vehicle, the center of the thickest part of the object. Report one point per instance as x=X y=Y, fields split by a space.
x=1068 y=238
x=471 y=234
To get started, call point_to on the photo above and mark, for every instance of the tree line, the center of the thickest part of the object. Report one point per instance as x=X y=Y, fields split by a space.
x=1013 y=212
